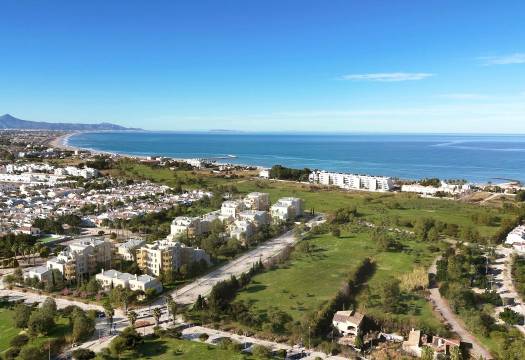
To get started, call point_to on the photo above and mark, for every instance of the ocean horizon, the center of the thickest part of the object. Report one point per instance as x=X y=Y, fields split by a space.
x=475 y=157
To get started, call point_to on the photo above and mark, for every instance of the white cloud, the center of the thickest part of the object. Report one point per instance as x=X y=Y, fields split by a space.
x=516 y=58
x=387 y=77
x=464 y=96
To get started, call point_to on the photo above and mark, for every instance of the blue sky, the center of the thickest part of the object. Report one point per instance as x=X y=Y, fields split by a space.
x=400 y=66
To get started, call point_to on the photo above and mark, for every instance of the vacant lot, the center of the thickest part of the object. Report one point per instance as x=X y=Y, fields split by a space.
x=308 y=280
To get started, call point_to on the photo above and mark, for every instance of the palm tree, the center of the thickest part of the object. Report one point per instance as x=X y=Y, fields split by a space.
x=172 y=307
x=132 y=317
x=157 y=313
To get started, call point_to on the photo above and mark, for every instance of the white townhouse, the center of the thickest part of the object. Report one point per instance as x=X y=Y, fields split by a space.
x=232 y=208
x=257 y=217
x=242 y=230
x=114 y=278
x=287 y=208
x=257 y=201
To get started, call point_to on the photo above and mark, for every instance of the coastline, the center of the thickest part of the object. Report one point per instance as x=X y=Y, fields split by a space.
x=63 y=141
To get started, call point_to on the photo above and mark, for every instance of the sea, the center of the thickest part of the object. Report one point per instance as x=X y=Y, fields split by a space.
x=475 y=158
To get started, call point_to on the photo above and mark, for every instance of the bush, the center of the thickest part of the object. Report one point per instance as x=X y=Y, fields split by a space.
x=19 y=340
x=261 y=352
x=11 y=353
x=511 y=317
x=203 y=337
x=83 y=354
x=32 y=352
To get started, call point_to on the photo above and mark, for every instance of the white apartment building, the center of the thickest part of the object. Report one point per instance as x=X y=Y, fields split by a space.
x=287 y=208
x=185 y=226
x=86 y=172
x=164 y=256
x=231 y=208
x=114 y=278
x=352 y=181
x=257 y=217
x=257 y=201
x=127 y=250
x=81 y=258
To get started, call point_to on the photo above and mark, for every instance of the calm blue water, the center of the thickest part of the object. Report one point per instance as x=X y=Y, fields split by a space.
x=475 y=158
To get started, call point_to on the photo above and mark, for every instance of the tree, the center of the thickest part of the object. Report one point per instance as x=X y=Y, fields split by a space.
x=40 y=322
x=172 y=307
x=427 y=353
x=21 y=315
x=49 y=307
x=109 y=312
x=132 y=317
x=82 y=325
x=359 y=344
x=118 y=346
x=83 y=354
x=157 y=313
x=389 y=294
x=32 y=352
x=19 y=340
x=261 y=352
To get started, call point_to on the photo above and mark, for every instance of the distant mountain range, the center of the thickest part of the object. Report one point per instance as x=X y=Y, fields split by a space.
x=10 y=122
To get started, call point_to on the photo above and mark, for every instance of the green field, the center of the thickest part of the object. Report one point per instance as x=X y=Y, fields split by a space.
x=7 y=329
x=378 y=207
x=307 y=281
x=167 y=348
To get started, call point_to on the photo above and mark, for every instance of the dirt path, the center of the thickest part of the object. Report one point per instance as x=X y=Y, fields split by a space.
x=456 y=324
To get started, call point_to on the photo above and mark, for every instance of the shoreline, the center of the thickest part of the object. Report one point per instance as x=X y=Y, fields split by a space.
x=63 y=142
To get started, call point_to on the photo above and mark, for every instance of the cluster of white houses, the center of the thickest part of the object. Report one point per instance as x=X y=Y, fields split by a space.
x=352 y=181
x=451 y=189
x=242 y=217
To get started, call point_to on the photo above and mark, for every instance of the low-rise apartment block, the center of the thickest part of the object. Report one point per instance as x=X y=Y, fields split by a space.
x=164 y=256
x=352 y=181
x=287 y=208
x=113 y=278
x=82 y=258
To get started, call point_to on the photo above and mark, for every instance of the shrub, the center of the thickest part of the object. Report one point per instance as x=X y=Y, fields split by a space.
x=203 y=337
x=19 y=340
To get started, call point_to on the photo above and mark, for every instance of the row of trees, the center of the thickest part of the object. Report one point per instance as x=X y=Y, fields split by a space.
x=284 y=173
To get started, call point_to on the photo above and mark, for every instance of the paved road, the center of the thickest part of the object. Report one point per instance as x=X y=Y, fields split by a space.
x=202 y=286
x=455 y=323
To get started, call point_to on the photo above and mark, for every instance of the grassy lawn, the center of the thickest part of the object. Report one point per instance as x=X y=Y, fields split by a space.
x=307 y=281
x=168 y=348
x=7 y=328
x=8 y=331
